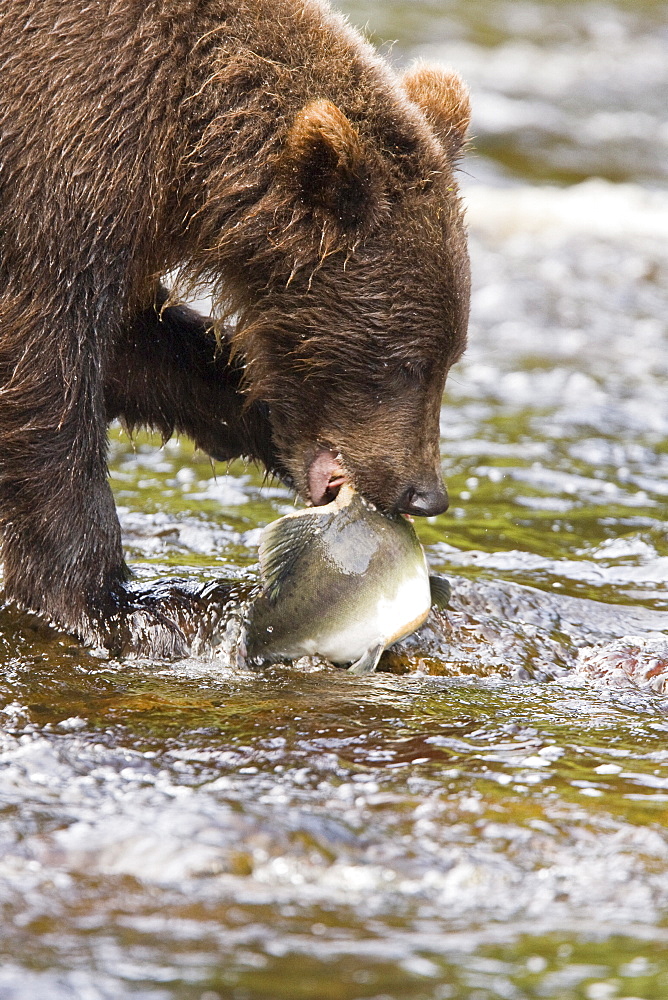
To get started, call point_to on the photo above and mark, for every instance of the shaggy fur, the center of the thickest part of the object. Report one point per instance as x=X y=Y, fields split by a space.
x=260 y=146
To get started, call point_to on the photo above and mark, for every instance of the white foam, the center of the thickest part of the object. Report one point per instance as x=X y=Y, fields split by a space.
x=595 y=208
x=567 y=93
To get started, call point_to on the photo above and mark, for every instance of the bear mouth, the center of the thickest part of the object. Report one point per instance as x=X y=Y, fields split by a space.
x=326 y=475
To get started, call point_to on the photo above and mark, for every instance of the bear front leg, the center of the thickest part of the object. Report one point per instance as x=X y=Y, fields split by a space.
x=170 y=374
x=61 y=540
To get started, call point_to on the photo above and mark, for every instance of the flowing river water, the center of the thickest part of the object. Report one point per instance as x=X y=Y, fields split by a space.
x=487 y=817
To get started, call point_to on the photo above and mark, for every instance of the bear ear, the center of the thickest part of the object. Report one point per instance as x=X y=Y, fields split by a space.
x=332 y=168
x=444 y=98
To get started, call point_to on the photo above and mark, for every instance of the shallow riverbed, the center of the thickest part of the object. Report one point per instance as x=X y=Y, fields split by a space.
x=488 y=816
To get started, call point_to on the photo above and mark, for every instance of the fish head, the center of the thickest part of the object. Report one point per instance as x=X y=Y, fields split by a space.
x=340 y=580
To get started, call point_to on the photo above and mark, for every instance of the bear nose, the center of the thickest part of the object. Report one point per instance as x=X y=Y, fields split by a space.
x=423 y=503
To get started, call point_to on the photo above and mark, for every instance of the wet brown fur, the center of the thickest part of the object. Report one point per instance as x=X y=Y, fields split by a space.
x=262 y=147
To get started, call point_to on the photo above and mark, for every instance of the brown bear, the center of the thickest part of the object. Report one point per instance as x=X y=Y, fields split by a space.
x=261 y=147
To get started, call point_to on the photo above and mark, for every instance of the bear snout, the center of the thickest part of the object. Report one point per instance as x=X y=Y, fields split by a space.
x=424 y=502
x=420 y=497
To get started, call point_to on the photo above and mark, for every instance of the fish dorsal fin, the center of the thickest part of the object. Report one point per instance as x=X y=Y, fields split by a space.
x=282 y=545
x=440 y=592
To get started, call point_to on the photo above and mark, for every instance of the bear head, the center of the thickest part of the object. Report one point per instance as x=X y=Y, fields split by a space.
x=361 y=299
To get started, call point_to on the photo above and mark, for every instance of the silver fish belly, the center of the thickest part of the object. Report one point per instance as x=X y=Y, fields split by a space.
x=342 y=581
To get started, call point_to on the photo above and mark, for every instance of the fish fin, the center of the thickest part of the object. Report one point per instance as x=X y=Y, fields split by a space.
x=368 y=662
x=283 y=543
x=440 y=592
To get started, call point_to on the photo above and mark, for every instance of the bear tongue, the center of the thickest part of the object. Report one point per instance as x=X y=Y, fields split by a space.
x=325 y=477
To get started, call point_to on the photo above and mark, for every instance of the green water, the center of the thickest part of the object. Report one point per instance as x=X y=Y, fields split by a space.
x=487 y=817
